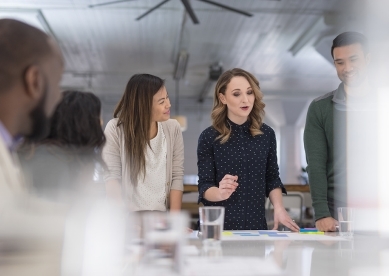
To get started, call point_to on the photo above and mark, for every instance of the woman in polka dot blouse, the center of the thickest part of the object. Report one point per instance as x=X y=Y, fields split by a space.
x=237 y=158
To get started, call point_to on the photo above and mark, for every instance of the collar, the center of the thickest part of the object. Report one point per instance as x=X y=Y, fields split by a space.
x=6 y=136
x=234 y=126
x=366 y=102
x=340 y=95
x=11 y=142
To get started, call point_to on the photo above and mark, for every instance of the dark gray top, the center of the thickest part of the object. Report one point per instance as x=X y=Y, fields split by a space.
x=58 y=173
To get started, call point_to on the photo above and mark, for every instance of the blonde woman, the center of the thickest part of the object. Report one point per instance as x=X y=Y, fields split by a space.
x=237 y=159
x=144 y=151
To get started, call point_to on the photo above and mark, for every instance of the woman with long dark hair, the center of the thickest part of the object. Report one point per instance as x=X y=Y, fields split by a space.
x=144 y=151
x=66 y=161
x=237 y=158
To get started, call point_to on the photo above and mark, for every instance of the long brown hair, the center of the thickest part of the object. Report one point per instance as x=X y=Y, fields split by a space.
x=134 y=114
x=219 y=111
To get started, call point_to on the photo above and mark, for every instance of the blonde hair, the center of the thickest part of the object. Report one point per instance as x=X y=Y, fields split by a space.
x=219 y=110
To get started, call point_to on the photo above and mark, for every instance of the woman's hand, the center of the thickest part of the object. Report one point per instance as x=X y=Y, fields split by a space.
x=227 y=186
x=281 y=216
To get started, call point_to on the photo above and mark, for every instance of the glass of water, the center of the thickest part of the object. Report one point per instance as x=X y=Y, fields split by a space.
x=164 y=235
x=346 y=221
x=211 y=224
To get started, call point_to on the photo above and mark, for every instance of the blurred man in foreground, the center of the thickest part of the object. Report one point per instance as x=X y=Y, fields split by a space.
x=31 y=67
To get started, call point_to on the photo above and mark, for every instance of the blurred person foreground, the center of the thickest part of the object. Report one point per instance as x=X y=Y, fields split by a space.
x=39 y=236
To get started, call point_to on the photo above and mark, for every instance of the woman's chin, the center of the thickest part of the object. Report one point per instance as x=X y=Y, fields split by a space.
x=164 y=118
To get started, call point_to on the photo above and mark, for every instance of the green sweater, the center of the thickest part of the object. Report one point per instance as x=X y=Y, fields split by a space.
x=319 y=147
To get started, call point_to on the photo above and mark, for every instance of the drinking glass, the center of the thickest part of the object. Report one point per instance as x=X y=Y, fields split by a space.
x=346 y=221
x=211 y=224
x=164 y=235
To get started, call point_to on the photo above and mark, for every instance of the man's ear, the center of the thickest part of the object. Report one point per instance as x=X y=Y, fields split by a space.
x=33 y=82
x=222 y=98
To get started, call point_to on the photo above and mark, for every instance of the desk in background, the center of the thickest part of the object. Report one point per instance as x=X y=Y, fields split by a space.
x=191 y=195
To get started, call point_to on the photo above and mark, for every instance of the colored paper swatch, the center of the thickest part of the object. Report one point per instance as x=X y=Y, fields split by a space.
x=267 y=232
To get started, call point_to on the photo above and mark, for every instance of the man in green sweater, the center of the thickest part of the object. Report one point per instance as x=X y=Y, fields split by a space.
x=325 y=128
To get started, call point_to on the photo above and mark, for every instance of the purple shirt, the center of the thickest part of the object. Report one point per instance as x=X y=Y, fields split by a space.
x=6 y=136
x=11 y=142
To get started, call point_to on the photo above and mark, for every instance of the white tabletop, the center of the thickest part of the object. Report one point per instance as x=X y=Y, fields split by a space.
x=303 y=254
x=265 y=253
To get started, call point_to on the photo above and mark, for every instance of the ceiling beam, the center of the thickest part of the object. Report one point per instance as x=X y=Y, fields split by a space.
x=307 y=37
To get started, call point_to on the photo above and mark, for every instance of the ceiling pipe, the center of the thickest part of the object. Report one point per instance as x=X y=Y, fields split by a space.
x=307 y=37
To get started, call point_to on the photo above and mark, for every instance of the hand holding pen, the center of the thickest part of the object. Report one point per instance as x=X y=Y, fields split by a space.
x=227 y=186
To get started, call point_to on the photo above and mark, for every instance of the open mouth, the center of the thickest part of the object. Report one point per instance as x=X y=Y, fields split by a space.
x=244 y=108
x=167 y=112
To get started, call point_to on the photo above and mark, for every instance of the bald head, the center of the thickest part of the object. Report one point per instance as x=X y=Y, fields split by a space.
x=31 y=67
x=21 y=45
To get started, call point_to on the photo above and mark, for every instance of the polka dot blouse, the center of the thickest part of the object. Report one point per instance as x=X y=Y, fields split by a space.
x=253 y=159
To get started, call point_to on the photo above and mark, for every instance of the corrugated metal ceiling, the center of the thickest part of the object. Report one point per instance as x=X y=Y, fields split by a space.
x=104 y=46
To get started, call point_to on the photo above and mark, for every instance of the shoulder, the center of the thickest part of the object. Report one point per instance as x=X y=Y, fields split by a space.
x=266 y=128
x=171 y=124
x=321 y=106
x=112 y=126
x=44 y=153
x=324 y=99
x=209 y=134
x=32 y=151
x=267 y=131
x=171 y=128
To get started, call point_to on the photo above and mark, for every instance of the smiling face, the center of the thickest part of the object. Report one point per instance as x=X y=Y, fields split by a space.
x=351 y=64
x=239 y=98
x=160 y=110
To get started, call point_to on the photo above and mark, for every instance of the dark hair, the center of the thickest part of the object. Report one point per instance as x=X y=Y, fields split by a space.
x=348 y=38
x=20 y=46
x=76 y=139
x=76 y=121
x=75 y=132
x=134 y=114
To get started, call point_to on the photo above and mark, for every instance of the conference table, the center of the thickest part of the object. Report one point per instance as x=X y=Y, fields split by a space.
x=284 y=253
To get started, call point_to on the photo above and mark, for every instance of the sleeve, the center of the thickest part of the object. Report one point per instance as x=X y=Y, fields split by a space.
x=205 y=164
x=111 y=153
x=178 y=160
x=273 y=180
x=315 y=144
